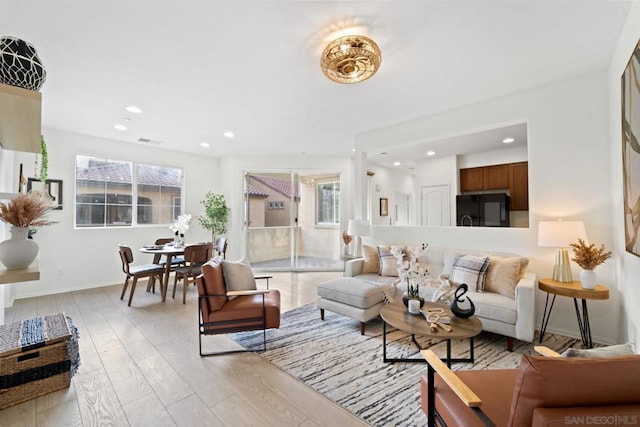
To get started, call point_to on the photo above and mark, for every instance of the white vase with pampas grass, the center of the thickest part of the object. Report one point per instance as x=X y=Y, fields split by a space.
x=588 y=257
x=22 y=212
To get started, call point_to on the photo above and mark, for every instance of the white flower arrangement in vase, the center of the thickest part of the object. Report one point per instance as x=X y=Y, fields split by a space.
x=180 y=227
x=409 y=268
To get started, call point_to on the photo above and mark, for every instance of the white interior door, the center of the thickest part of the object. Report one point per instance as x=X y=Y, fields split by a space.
x=435 y=206
x=403 y=209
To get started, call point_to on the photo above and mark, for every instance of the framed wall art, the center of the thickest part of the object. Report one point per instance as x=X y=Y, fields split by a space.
x=51 y=187
x=631 y=151
x=384 y=206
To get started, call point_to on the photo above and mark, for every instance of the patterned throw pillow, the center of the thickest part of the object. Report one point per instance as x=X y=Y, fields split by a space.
x=388 y=263
x=370 y=263
x=469 y=269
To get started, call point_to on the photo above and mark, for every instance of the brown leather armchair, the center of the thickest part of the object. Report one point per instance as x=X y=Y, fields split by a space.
x=544 y=391
x=248 y=311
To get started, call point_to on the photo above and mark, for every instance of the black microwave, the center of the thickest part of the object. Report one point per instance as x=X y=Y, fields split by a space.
x=482 y=210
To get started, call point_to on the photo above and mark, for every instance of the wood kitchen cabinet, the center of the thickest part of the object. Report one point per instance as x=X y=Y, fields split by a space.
x=519 y=186
x=471 y=179
x=495 y=177
x=509 y=176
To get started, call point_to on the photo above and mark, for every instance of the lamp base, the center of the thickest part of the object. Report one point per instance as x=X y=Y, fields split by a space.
x=561 y=267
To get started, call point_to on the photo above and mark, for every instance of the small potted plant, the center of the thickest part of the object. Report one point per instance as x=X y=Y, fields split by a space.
x=588 y=257
x=24 y=211
x=216 y=214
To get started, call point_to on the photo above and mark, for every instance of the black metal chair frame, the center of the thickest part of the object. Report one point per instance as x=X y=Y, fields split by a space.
x=433 y=417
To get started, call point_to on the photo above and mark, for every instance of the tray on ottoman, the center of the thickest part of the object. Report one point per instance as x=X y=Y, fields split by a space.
x=35 y=358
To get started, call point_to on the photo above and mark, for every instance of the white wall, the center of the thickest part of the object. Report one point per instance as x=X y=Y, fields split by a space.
x=498 y=157
x=627 y=266
x=72 y=258
x=569 y=177
x=385 y=183
x=231 y=173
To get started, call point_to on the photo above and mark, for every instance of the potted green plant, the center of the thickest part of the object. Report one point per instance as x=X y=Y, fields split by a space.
x=216 y=214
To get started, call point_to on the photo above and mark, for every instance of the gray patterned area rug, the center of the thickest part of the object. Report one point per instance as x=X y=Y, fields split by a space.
x=333 y=358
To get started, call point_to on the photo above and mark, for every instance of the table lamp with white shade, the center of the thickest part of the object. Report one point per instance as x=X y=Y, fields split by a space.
x=358 y=228
x=559 y=235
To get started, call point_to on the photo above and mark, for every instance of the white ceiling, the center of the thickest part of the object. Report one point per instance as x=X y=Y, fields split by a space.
x=200 y=68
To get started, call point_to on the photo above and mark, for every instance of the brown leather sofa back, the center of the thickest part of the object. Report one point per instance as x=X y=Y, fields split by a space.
x=544 y=382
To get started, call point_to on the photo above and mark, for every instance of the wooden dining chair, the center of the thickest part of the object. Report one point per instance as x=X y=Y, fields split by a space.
x=148 y=270
x=195 y=256
x=221 y=247
x=157 y=259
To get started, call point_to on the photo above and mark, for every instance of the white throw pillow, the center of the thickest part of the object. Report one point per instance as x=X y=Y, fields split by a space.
x=469 y=269
x=238 y=276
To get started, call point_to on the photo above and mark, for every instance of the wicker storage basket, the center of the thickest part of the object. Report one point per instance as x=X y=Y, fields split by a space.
x=34 y=359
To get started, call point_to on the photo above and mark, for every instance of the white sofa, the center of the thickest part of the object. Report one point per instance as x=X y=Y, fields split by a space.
x=513 y=317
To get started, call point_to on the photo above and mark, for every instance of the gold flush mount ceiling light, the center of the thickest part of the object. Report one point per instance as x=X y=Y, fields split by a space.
x=350 y=59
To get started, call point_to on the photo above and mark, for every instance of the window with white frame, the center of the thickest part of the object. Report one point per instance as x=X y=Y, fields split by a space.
x=109 y=192
x=328 y=203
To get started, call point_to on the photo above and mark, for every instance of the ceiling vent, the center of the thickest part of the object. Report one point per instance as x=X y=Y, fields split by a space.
x=148 y=141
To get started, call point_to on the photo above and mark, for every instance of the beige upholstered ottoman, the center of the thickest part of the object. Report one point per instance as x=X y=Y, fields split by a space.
x=358 y=299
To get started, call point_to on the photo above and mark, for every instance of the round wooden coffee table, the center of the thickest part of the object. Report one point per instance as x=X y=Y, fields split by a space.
x=396 y=315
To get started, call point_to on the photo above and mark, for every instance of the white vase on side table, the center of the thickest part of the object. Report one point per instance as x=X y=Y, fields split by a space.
x=18 y=251
x=588 y=279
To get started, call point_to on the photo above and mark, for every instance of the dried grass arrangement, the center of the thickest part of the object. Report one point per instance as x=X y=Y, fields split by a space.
x=27 y=210
x=346 y=238
x=589 y=257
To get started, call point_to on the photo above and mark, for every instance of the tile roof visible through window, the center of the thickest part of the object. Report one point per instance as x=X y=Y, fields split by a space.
x=121 y=173
x=255 y=191
x=281 y=185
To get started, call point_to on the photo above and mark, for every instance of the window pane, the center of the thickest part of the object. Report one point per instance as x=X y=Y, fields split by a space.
x=100 y=181
x=106 y=193
x=158 y=189
x=328 y=207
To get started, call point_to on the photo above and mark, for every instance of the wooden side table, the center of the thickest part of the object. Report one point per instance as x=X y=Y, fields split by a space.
x=572 y=290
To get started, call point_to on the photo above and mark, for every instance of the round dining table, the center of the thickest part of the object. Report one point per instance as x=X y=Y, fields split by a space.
x=169 y=252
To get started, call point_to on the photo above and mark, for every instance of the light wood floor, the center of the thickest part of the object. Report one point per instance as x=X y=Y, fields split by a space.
x=140 y=367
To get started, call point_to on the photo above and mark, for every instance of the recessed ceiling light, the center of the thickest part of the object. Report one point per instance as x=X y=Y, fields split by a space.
x=205 y=144
x=431 y=153
x=119 y=126
x=396 y=163
x=384 y=153
x=133 y=109
x=353 y=150
x=508 y=140
x=229 y=134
